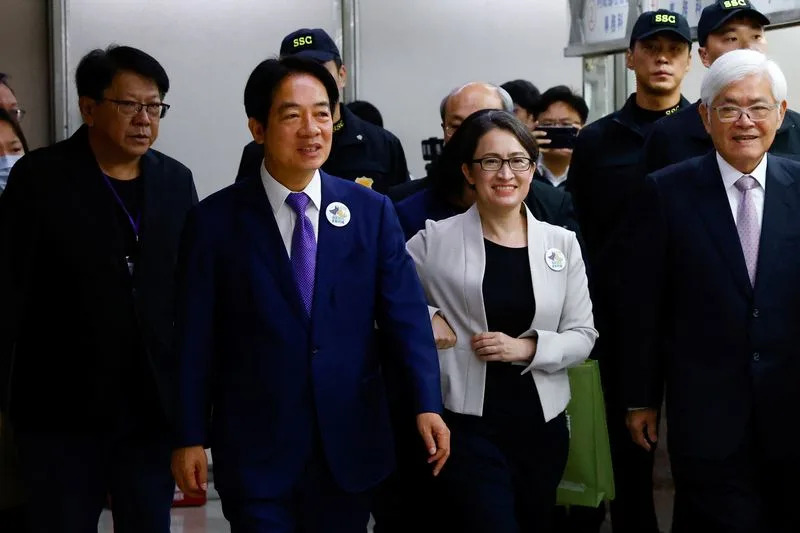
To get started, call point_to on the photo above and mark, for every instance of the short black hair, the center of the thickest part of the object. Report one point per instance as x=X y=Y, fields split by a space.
x=97 y=69
x=367 y=111
x=269 y=74
x=5 y=116
x=562 y=93
x=523 y=93
x=448 y=179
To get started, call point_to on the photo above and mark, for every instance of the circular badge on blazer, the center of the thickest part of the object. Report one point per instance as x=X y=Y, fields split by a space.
x=338 y=214
x=555 y=259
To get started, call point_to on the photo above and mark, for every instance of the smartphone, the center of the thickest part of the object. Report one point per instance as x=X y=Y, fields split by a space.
x=432 y=148
x=560 y=136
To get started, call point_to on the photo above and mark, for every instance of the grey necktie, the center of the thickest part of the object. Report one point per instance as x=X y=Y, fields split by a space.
x=748 y=225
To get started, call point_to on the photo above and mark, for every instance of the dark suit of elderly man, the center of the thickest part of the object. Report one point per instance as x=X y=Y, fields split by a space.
x=714 y=293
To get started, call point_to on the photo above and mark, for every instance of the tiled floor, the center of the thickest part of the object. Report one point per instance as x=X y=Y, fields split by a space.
x=209 y=519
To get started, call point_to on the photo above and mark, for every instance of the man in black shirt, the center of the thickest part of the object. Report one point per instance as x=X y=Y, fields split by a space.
x=604 y=175
x=89 y=233
x=361 y=152
x=723 y=26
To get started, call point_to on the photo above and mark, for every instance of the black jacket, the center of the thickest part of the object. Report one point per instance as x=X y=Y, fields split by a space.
x=605 y=175
x=682 y=136
x=605 y=178
x=359 y=150
x=75 y=326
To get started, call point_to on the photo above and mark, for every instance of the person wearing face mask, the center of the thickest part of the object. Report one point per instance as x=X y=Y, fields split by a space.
x=12 y=145
x=510 y=310
x=723 y=26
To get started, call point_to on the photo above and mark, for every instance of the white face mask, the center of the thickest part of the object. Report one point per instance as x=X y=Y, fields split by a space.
x=6 y=162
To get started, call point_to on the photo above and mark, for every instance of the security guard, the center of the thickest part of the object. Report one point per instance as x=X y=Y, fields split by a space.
x=724 y=26
x=604 y=174
x=361 y=152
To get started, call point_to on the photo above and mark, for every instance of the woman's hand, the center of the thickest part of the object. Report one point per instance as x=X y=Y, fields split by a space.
x=496 y=346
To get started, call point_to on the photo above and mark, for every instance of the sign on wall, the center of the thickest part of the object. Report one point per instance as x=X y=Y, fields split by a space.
x=600 y=27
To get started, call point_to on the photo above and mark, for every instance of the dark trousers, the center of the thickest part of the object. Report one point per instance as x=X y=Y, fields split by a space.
x=13 y=520
x=70 y=477
x=315 y=504
x=748 y=492
x=633 y=509
x=503 y=472
x=407 y=500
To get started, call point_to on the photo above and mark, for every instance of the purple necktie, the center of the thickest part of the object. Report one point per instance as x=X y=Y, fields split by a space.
x=747 y=225
x=304 y=249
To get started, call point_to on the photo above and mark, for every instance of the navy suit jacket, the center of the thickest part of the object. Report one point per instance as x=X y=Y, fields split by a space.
x=728 y=352
x=276 y=379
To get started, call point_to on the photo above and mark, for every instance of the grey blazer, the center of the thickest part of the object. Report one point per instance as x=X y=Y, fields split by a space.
x=450 y=260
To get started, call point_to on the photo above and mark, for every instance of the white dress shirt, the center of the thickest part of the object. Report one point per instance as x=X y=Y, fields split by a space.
x=284 y=214
x=729 y=177
x=554 y=180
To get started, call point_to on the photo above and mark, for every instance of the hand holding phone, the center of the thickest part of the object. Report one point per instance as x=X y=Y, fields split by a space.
x=559 y=136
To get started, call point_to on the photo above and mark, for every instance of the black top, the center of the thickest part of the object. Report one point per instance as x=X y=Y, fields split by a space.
x=510 y=306
x=358 y=150
x=508 y=289
x=129 y=212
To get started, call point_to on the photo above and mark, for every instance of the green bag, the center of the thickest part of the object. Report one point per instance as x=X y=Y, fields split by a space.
x=588 y=477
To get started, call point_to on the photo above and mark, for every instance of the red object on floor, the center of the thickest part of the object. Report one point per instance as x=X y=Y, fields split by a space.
x=181 y=500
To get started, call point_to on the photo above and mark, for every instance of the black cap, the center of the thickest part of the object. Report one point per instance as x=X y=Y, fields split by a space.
x=653 y=22
x=720 y=12
x=312 y=44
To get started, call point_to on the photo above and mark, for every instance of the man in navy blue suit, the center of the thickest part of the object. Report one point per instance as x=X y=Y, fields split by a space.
x=713 y=293
x=284 y=276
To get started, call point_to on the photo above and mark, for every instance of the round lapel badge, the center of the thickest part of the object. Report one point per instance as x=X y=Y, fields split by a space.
x=338 y=214
x=555 y=259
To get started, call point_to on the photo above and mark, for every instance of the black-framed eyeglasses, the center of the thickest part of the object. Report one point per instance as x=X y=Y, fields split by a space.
x=516 y=164
x=755 y=112
x=130 y=108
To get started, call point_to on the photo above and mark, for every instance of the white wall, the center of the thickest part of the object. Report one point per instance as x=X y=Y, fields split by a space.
x=25 y=57
x=208 y=48
x=413 y=52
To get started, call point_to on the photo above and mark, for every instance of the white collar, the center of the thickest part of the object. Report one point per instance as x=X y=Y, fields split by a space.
x=730 y=175
x=277 y=192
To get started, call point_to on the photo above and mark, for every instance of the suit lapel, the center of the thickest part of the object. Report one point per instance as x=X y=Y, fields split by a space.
x=536 y=251
x=334 y=244
x=474 y=268
x=261 y=230
x=715 y=211
x=93 y=202
x=780 y=214
x=154 y=199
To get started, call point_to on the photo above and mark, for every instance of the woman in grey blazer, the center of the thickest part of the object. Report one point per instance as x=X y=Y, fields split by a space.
x=511 y=312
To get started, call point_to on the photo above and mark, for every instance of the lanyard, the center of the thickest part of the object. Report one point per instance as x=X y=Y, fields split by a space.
x=134 y=222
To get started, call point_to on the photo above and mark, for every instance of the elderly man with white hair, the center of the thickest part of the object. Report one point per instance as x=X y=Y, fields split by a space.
x=713 y=284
